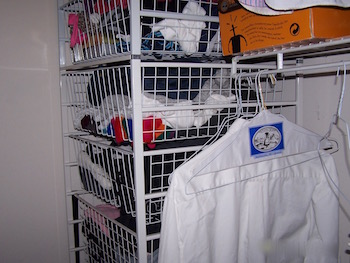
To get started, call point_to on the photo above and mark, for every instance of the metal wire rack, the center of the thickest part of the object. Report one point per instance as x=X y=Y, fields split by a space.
x=169 y=29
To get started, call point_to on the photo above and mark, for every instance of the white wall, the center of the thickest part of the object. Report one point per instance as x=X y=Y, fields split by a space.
x=32 y=202
x=321 y=97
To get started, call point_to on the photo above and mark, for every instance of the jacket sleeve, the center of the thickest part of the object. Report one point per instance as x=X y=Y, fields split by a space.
x=323 y=246
x=169 y=250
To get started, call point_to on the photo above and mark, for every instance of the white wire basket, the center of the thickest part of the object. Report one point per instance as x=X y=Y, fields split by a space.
x=168 y=28
x=107 y=172
x=180 y=102
x=111 y=237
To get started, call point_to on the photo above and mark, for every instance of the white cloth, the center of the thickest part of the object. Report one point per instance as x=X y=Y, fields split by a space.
x=278 y=7
x=119 y=105
x=215 y=91
x=300 y=4
x=260 y=7
x=186 y=118
x=100 y=175
x=186 y=32
x=226 y=206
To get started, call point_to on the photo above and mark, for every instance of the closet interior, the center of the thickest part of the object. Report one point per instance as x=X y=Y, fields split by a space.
x=137 y=102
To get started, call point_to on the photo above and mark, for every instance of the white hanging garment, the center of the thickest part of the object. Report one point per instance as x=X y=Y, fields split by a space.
x=258 y=194
x=260 y=7
x=300 y=4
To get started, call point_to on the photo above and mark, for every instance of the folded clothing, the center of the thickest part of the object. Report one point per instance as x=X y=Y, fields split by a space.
x=111 y=121
x=153 y=130
x=186 y=32
x=97 y=172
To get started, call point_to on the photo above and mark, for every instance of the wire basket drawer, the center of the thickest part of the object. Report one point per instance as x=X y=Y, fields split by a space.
x=169 y=28
x=106 y=171
x=182 y=101
x=110 y=236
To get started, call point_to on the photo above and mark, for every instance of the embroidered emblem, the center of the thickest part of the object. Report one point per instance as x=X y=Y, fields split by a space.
x=266 y=139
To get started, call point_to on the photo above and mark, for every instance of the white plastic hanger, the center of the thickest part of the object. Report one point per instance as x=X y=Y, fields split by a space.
x=259 y=92
x=227 y=149
x=337 y=116
x=335 y=119
x=239 y=78
x=320 y=141
x=224 y=123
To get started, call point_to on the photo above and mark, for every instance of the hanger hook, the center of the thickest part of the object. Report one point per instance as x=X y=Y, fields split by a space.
x=341 y=98
x=238 y=83
x=258 y=88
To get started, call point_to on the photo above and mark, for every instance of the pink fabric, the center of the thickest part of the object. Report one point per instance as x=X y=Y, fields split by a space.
x=109 y=211
x=76 y=36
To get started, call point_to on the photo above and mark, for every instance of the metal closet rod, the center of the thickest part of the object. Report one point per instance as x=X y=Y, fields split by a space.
x=295 y=69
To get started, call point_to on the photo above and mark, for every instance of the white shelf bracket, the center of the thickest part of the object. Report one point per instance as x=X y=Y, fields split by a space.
x=279 y=60
x=233 y=68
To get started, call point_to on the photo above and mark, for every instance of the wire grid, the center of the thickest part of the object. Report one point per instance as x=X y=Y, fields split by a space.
x=160 y=167
x=106 y=171
x=154 y=209
x=257 y=90
x=96 y=30
x=190 y=99
x=275 y=90
x=165 y=24
x=153 y=245
x=106 y=239
x=179 y=102
x=99 y=168
x=176 y=6
x=99 y=99
x=101 y=29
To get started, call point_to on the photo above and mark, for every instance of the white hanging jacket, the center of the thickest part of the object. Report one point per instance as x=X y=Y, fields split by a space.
x=300 y=4
x=258 y=194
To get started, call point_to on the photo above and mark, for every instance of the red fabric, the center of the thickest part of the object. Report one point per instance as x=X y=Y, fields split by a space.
x=109 y=210
x=152 y=129
x=104 y=6
x=119 y=131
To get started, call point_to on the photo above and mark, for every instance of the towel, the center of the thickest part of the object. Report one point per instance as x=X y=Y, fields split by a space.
x=186 y=32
